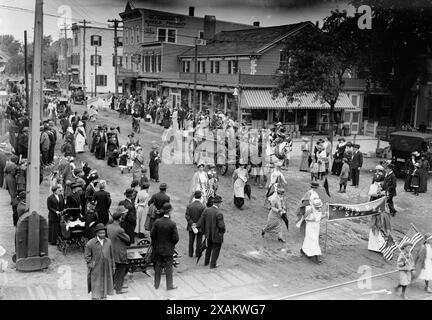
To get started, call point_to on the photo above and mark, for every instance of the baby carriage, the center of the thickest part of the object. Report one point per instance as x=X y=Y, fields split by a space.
x=71 y=230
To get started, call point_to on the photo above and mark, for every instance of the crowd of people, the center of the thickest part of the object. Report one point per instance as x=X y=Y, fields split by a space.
x=80 y=196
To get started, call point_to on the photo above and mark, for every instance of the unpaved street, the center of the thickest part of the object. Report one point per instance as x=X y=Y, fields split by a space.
x=252 y=267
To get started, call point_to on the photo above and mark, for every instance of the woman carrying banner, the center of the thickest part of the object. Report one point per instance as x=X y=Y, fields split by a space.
x=305 y=201
x=380 y=228
x=313 y=216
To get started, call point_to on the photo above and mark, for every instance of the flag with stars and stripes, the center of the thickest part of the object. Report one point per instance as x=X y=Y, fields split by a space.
x=412 y=236
x=388 y=248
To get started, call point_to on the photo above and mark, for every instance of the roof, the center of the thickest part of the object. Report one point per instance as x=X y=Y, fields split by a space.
x=245 y=42
x=262 y=99
x=414 y=134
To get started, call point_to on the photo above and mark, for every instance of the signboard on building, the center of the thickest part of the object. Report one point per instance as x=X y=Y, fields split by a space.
x=166 y=20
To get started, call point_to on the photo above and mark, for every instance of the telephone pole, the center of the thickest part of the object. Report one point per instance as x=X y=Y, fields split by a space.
x=116 y=24
x=84 y=22
x=26 y=72
x=65 y=29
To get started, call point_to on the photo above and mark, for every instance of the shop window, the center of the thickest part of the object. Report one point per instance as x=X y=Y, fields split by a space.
x=232 y=66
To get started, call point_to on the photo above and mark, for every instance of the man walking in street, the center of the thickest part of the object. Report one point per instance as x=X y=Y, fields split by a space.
x=356 y=164
x=130 y=219
x=212 y=222
x=160 y=198
x=103 y=202
x=45 y=144
x=164 y=237
x=193 y=213
x=120 y=240
x=99 y=257
x=389 y=186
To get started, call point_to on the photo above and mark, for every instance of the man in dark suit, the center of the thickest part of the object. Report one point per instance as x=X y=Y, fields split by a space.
x=73 y=201
x=164 y=237
x=103 y=202
x=212 y=222
x=130 y=219
x=55 y=205
x=356 y=164
x=119 y=240
x=193 y=213
x=160 y=198
x=389 y=186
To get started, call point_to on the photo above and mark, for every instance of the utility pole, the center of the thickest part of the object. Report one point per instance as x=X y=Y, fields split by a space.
x=65 y=29
x=195 y=78
x=26 y=72
x=84 y=22
x=116 y=23
x=96 y=62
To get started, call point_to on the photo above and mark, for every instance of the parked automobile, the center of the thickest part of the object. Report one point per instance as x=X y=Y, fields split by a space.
x=403 y=143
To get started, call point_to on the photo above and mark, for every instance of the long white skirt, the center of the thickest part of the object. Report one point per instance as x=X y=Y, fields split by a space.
x=375 y=241
x=426 y=273
x=79 y=143
x=311 y=241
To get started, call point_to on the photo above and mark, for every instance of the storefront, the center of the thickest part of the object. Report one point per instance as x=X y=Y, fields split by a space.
x=259 y=110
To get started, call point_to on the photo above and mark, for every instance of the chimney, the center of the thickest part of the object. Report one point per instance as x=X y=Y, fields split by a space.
x=209 y=27
x=191 y=11
x=256 y=24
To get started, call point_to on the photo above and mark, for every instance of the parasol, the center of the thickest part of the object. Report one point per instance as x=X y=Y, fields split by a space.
x=326 y=187
x=247 y=190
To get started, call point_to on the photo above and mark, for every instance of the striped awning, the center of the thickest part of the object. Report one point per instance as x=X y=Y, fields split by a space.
x=262 y=99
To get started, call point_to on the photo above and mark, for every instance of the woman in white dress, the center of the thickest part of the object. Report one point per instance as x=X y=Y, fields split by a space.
x=322 y=160
x=313 y=216
x=199 y=182
x=141 y=205
x=80 y=138
x=276 y=179
x=239 y=178
x=423 y=262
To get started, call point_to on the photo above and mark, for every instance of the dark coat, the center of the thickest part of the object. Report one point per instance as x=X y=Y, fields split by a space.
x=103 y=204
x=89 y=192
x=53 y=205
x=193 y=213
x=130 y=219
x=164 y=236
x=3 y=160
x=357 y=160
x=212 y=222
x=120 y=240
x=389 y=184
x=100 y=267
x=73 y=201
x=159 y=199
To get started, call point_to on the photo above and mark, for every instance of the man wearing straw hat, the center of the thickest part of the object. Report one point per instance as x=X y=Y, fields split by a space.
x=99 y=256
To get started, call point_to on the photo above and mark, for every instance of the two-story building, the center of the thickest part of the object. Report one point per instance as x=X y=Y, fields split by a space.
x=94 y=55
x=153 y=40
x=238 y=70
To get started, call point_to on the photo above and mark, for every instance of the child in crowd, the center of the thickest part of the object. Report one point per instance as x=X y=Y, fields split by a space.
x=131 y=157
x=314 y=170
x=123 y=158
x=405 y=265
x=343 y=177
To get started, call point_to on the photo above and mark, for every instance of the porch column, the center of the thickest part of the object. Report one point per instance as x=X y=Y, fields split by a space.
x=225 y=102
x=200 y=101
x=190 y=98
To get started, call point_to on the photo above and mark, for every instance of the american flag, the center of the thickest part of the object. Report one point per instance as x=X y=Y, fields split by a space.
x=412 y=236
x=388 y=248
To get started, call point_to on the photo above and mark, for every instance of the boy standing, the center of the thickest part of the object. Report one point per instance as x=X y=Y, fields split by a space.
x=405 y=264
x=343 y=177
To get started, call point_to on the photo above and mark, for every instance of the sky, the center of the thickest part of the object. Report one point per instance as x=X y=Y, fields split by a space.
x=17 y=15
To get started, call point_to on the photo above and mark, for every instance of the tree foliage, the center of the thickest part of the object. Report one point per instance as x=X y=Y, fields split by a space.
x=396 y=47
x=319 y=60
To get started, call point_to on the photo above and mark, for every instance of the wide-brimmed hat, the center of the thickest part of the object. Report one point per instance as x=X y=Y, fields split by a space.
x=357 y=146
x=138 y=149
x=131 y=135
x=119 y=212
x=155 y=146
x=317 y=203
x=163 y=186
x=99 y=227
x=305 y=139
x=167 y=207
x=314 y=185
x=379 y=167
x=201 y=164
x=145 y=185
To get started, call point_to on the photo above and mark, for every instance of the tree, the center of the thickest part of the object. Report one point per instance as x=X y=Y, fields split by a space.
x=396 y=47
x=10 y=45
x=318 y=61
